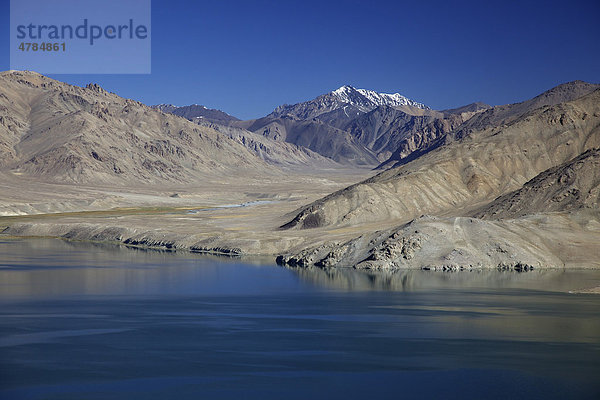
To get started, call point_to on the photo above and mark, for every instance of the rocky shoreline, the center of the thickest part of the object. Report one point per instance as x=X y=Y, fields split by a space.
x=464 y=243
x=115 y=236
x=427 y=243
x=118 y=235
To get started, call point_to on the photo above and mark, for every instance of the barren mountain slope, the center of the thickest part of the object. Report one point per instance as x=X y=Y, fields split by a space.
x=570 y=186
x=479 y=116
x=315 y=135
x=269 y=149
x=195 y=111
x=322 y=124
x=66 y=133
x=273 y=151
x=468 y=172
x=469 y=108
x=360 y=127
x=505 y=114
x=387 y=130
x=555 y=221
x=541 y=240
x=361 y=137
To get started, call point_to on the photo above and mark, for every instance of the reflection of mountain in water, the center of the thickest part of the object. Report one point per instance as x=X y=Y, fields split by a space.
x=351 y=279
x=52 y=268
x=413 y=280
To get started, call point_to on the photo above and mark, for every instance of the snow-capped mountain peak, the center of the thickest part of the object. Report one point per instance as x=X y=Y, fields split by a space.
x=346 y=99
x=370 y=99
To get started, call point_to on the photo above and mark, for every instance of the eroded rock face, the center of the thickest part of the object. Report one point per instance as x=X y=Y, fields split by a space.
x=398 y=246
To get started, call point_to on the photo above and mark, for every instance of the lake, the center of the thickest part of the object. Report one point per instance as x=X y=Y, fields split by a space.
x=91 y=321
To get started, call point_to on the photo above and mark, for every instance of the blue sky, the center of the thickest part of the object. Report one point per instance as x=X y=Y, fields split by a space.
x=247 y=57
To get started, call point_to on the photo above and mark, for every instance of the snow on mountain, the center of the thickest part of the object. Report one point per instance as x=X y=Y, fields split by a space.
x=346 y=99
x=372 y=99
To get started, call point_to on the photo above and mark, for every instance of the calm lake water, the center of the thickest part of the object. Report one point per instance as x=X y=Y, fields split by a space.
x=84 y=321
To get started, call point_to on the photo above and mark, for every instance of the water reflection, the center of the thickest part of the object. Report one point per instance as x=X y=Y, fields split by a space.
x=41 y=268
x=93 y=321
x=480 y=305
x=413 y=280
x=51 y=268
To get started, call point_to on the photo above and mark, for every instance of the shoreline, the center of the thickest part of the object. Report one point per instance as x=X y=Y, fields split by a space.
x=177 y=244
x=340 y=272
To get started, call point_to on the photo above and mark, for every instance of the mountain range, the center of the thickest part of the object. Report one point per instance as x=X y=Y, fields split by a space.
x=348 y=125
x=66 y=133
x=476 y=162
x=350 y=101
x=510 y=186
x=534 y=163
x=363 y=127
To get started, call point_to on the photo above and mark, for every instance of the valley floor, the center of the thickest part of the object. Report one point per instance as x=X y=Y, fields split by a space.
x=242 y=217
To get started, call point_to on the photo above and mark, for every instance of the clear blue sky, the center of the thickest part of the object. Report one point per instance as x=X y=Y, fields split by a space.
x=247 y=57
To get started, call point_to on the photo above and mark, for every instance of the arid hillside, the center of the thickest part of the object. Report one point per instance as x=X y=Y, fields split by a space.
x=552 y=221
x=571 y=186
x=63 y=133
x=510 y=187
x=466 y=173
